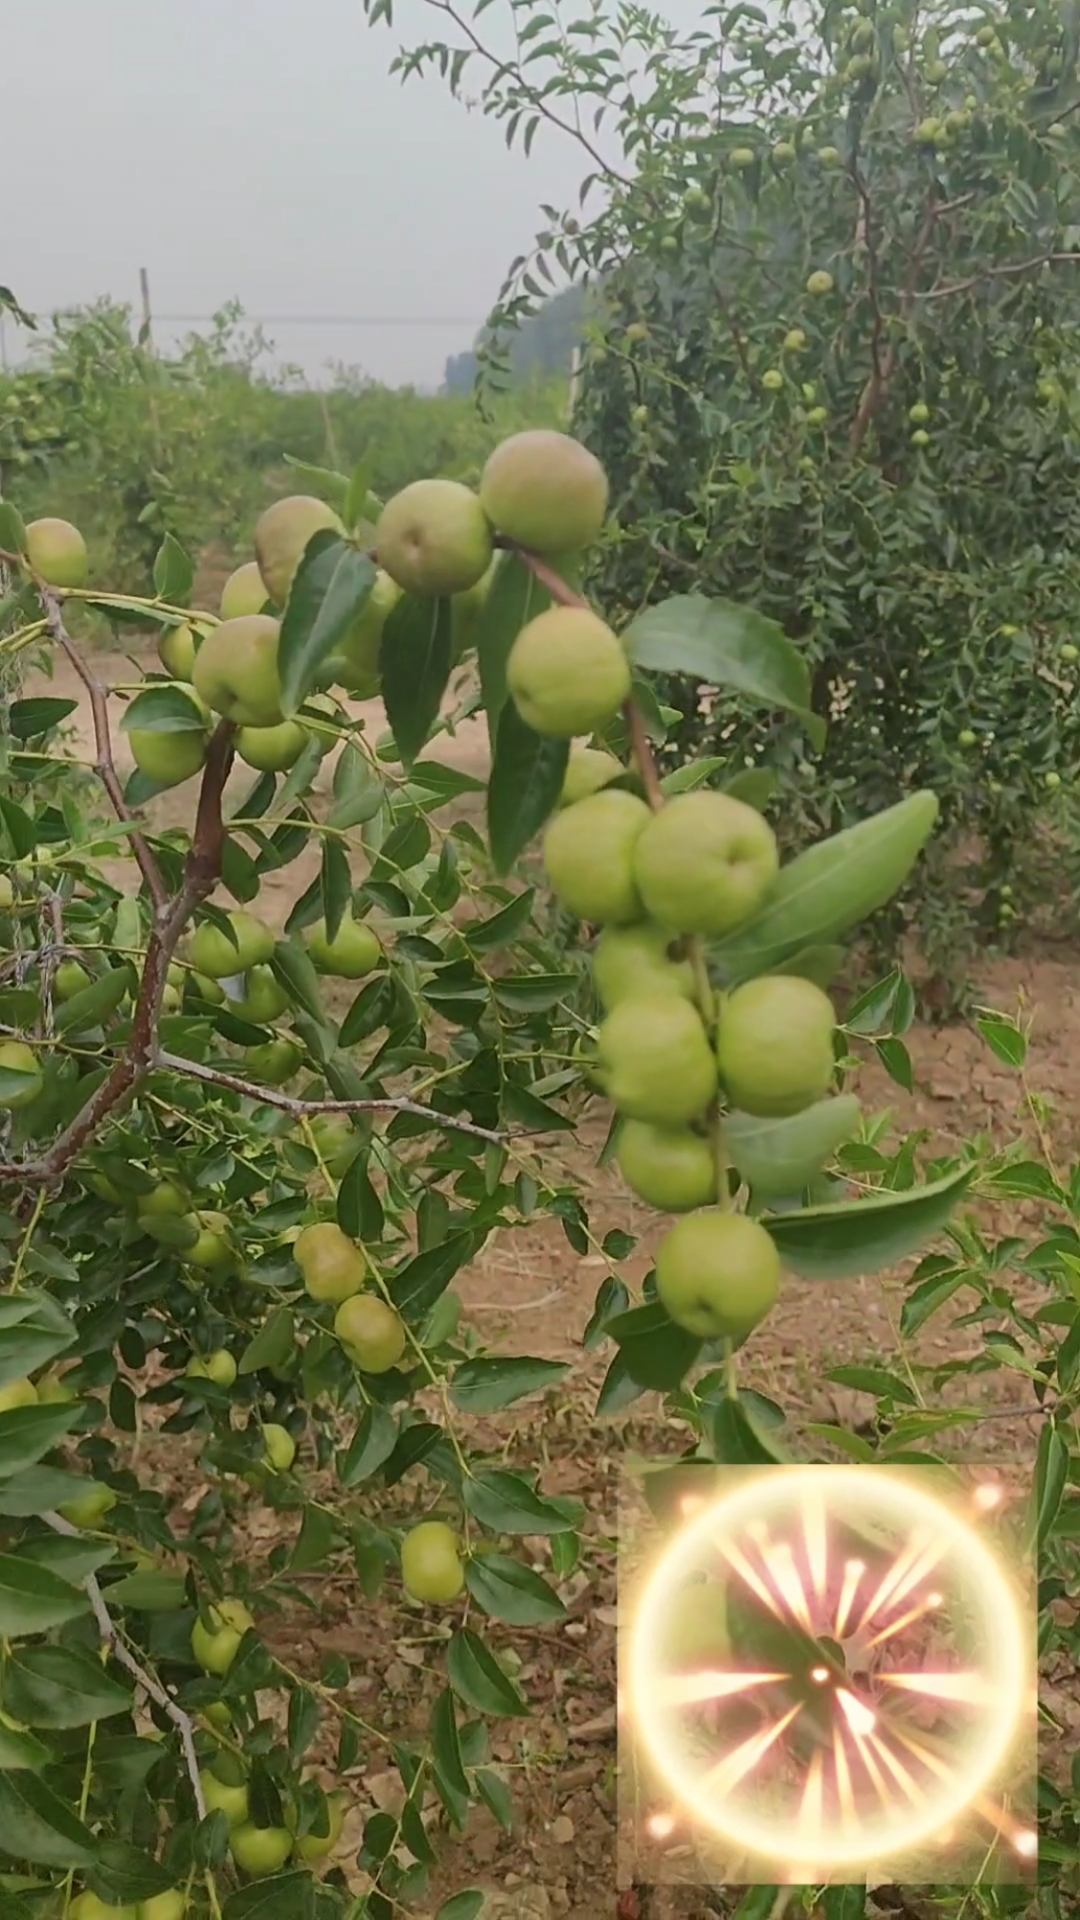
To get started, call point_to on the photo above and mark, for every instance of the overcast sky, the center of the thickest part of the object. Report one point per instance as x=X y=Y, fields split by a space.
x=260 y=150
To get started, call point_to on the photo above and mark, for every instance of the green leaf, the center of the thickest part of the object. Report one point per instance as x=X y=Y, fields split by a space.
x=506 y=1503
x=40 y=1489
x=725 y=646
x=843 y=1241
x=91 y=1006
x=149 y=1592
x=781 y=1157
x=414 y=661
x=467 y=1905
x=273 y=1343
x=28 y=1432
x=36 y=1825
x=483 y=1386
x=22 y=830
x=844 y=1903
x=124 y=1875
x=315 y=1542
x=20 y=1751
x=514 y=597
x=57 y=1688
x=736 y=1438
x=371 y=1445
x=329 y=591
x=324 y=482
x=446 y=1744
x=1003 y=1037
x=1051 y=1480
x=525 y=783
x=162 y=709
x=655 y=1352
x=830 y=888
x=284 y=1896
x=173 y=572
x=483 y=936
x=335 y=882
x=30 y=719
x=754 y=786
x=294 y=970
x=504 y=1588
x=25 y=1348
x=415 y=1288
x=477 y=1678
x=876 y=1380
x=32 y=1599
x=12 y=525
x=360 y=503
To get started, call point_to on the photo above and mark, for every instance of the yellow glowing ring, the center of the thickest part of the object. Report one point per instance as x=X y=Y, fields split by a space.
x=844 y=1490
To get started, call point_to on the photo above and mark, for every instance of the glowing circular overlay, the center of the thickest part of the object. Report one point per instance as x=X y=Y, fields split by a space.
x=825 y=1763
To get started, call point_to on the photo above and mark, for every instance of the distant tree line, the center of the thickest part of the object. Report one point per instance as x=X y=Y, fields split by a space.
x=542 y=345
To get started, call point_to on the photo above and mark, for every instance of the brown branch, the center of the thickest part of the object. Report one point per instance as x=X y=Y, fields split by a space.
x=200 y=873
x=104 y=764
x=110 y=1639
x=880 y=379
x=1000 y=273
x=301 y=1109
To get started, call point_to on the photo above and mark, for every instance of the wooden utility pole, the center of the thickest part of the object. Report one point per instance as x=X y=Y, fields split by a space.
x=146 y=348
x=145 y=331
x=576 y=358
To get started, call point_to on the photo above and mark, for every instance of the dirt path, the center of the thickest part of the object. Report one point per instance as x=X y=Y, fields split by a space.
x=531 y=1293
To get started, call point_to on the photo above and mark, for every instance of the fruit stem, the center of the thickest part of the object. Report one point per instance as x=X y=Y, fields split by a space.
x=731 y=1376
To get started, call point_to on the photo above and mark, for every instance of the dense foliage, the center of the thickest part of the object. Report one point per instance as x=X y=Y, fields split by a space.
x=835 y=374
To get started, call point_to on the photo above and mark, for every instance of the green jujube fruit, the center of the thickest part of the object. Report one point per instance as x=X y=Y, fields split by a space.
x=656 y=1061
x=629 y=961
x=670 y=1168
x=827 y=890
x=780 y=1157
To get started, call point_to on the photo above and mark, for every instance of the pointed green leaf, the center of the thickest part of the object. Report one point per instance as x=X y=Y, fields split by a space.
x=502 y=1587
x=414 y=662
x=273 y=1343
x=725 y=646
x=163 y=709
x=780 y=1157
x=328 y=593
x=36 y=1825
x=284 y=1896
x=514 y=597
x=173 y=572
x=655 y=1352
x=335 y=882
x=28 y=1432
x=32 y=1599
x=324 y=482
x=506 y=1503
x=843 y=1241
x=477 y=1678
x=830 y=888
x=370 y=1447
x=483 y=1386
x=57 y=1687
x=526 y=780
x=20 y=1751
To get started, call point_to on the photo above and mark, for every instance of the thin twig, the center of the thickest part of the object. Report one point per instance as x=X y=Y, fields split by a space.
x=876 y=386
x=104 y=764
x=999 y=273
x=301 y=1109
x=110 y=1637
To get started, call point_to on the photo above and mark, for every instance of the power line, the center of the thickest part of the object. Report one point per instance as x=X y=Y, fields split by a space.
x=311 y=319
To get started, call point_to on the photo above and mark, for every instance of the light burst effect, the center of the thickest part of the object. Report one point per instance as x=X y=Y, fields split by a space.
x=880 y=1691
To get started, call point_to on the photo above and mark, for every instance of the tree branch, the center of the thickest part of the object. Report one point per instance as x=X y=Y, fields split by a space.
x=110 y=1639
x=878 y=383
x=200 y=873
x=1000 y=273
x=273 y=1097
x=104 y=764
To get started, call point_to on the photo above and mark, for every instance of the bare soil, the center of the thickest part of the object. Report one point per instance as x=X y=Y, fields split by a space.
x=531 y=1293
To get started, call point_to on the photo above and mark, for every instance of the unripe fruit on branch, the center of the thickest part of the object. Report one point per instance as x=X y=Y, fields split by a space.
x=775 y=1045
x=236 y=671
x=17 y=1058
x=820 y=283
x=670 y=1168
x=282 y=535
x=220 y=1367
x=588 y=855
x=279 y=1447
x=57 y=552
x=312 y=1847
x=336 y=1141
x=567 y=672
x=431 y=1567
x=434 y=538
x=772 y=380
x=89 y=1907
x=717 y=1274
x=629 y=961
x=89 y=1508
x=171 y=758
x=264 y=998
x=274 y=1062
x=272 y=749
x=371 y=1332
x=333 y=1266
x=215 y=1648
x=587 y=770
x=260 y=1850
x=545 y=491
x=244 y=591
x=705 y=863
x=225 y=1796
x=353 y=952
x=211 y=952
x=177 y=648
x=656 y=1061
x=172 y=1905
x=355 y=665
